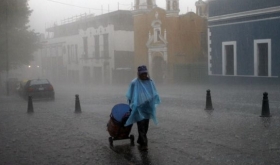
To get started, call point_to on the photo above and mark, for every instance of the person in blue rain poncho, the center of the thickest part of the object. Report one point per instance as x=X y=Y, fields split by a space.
x=143 y=99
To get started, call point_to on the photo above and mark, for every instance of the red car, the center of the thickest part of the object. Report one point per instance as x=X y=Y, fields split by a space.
x=39 y=88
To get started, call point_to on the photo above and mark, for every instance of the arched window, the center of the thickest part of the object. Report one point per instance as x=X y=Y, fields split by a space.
x=157 y=34
x=175 y=5
x=136 y=4
x=168 y=5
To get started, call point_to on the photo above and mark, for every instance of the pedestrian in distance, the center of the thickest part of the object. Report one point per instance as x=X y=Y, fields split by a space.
x=143 y=99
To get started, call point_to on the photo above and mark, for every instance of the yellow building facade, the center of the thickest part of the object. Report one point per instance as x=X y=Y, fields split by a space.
x=168 y=42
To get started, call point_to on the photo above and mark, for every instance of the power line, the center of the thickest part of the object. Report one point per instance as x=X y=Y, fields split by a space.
x=82 y=7
x=125 y=4
x=67 y=4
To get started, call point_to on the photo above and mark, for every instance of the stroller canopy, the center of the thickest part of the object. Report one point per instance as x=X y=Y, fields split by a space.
x=119 y=111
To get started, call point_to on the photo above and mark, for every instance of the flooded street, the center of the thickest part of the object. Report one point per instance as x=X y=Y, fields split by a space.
x=232 y=133
x=213 y=65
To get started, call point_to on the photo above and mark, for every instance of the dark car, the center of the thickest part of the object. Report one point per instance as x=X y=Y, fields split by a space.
x=39 y=88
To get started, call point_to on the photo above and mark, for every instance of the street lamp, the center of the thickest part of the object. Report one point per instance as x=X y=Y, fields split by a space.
x=7 y=48
x=34 y=71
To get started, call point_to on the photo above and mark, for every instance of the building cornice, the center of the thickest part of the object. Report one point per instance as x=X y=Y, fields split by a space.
x=244 y=14
x=140 y=12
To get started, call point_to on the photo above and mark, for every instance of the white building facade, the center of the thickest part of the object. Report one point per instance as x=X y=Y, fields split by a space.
x=90 y=50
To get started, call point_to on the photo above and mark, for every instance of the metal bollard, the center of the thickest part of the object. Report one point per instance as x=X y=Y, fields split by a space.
x=77 y=105
x=265 y=106
x=208 y=101
x=30 y=105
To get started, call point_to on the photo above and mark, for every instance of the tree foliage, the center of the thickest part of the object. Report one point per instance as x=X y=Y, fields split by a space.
x=17 y=41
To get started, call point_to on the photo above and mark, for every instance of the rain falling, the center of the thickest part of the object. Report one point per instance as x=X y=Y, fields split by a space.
x=139 y=82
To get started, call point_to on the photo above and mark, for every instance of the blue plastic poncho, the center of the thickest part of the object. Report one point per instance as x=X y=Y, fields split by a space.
x=143 y=99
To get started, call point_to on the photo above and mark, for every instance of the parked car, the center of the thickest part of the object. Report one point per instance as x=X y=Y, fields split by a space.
x=38 y=88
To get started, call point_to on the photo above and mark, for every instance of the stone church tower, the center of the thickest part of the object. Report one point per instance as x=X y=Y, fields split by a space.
x=166 y=42
x=144 y=4
x=202 y=8
x=172 y=8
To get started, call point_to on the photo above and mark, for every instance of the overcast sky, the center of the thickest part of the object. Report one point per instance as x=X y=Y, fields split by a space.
x=46 y=12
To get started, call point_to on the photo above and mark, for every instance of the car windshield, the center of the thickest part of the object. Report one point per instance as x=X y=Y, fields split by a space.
x=39 y=82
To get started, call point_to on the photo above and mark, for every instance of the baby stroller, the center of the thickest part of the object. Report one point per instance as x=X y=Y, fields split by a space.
x=115 y=126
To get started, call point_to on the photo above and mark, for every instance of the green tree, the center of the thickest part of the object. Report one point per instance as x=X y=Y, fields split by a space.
x=17 y=41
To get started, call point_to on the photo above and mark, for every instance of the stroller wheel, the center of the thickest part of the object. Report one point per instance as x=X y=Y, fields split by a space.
x=131 y=137
x=111 y=141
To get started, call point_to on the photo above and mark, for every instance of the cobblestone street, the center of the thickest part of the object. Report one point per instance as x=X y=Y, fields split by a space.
x=233 y=133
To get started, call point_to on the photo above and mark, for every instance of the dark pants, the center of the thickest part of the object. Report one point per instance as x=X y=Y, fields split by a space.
x=143 y=127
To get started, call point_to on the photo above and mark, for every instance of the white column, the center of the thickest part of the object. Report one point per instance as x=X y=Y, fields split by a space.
x=150 y=60
x=165 y=56
x=209 y=53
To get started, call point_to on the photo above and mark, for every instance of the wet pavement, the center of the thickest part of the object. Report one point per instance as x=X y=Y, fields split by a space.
x=232 y=133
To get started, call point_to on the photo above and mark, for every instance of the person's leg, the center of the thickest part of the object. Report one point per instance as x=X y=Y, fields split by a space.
x=143 y=127
x=146 y=126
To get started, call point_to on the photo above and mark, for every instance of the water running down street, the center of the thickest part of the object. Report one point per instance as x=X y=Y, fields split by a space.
x=233 y=133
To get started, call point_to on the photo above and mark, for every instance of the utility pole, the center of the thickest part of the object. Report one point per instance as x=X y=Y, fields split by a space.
x=7 y=48
x=101 y=9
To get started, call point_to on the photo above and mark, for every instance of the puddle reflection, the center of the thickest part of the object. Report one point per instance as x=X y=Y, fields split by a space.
x=145 y=158
x=209 y=112
x=266 y=121
x=133 y=154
